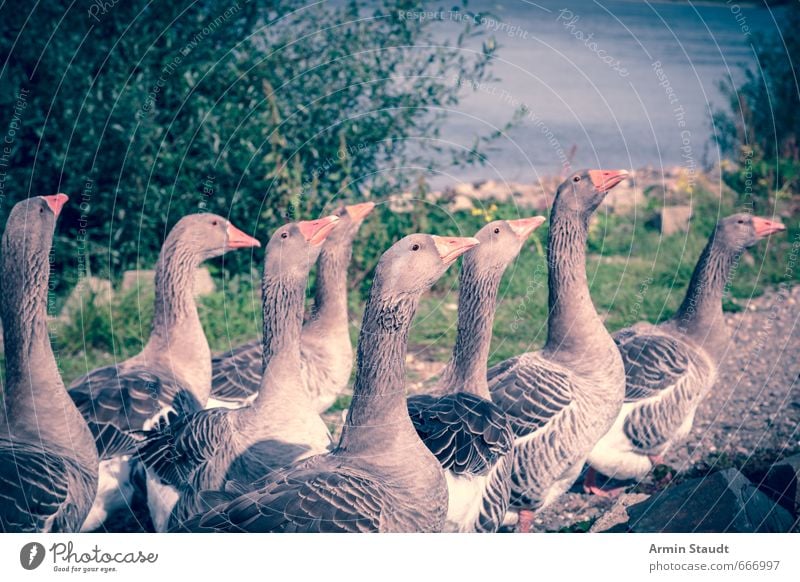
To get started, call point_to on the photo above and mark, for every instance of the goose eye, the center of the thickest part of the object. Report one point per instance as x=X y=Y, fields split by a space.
x=41 y=210
x=415 y=247
x=576 y=179
x=214 y=222
x=284 y=235
x=497 y=230
x=740 y=221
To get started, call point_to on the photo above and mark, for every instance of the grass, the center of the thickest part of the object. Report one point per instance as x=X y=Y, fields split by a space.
x=634 y=274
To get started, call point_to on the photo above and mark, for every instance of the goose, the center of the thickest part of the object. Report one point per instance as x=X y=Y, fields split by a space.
x=326 y=354
x=120 y=400
x=48 y=461
x=671 y=367
x=469 y=435
x=210 y=449
x=380 y=477
x=563 y=398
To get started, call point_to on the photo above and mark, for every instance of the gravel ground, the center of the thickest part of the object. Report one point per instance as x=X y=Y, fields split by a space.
x=749 y=420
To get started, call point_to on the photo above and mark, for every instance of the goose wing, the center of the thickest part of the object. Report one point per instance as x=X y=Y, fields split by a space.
x=317 y=495
x=466 y=433
x=532 y=392
x=40 y=491
x=174 y=451
x=236 y=375
x=117 y=401
x=665 y=380
x=653 y=363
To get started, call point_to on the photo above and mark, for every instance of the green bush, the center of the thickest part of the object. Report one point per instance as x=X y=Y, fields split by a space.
x=260 y=111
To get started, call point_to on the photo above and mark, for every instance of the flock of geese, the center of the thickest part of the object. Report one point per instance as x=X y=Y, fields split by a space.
x=235 y=443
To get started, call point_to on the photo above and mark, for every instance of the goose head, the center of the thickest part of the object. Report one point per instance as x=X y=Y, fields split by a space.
x=208 y=236
x=501 y=242
x=350 y=219
x=32 y=222
x=740 y=231
x=294 y=247
x=583 y=191
x=414 y=263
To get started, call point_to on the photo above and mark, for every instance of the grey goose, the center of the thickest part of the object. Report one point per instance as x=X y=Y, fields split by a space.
x=670 y=367
x=563 y=398
x=326 y=353
x=48 y=460
x=217 y=448
x=380 y=477
x=120 y=400
x=457 y=421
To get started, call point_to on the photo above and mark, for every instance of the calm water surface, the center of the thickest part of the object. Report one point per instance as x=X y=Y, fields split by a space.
x=623 y=83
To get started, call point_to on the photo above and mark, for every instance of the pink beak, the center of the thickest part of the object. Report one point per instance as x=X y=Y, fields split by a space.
x=452 y=247
x=238 y=239
x=765 y=228
x=605 y=180
x=358 y=212
x=56 y=202
x=523 y=227
x=316 y=231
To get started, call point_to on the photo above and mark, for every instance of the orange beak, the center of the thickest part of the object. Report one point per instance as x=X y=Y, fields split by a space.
x=452 y=247
x=56 y=202
x=605 y=180
x=765 y=228
x=358 y=212
x=316 y=231
x=523 y=227
x=238 y=239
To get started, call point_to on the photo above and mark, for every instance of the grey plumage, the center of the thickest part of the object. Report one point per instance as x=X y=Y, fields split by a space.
x=468 y=434
x=380 y=477
x=326 y=354
x=48 y=462
x=210 y=449
x=563 y=398
x=121 y=400
x=671 y=367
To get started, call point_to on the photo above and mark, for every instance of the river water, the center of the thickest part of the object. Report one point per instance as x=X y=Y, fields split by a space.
x=611 y=83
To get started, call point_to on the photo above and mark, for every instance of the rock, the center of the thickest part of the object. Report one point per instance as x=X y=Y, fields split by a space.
x=461 y=202
x=625 y=198
x=782 y=483
x=618 y=514
x=673 y=219
x=138 y=278
x=203 y=282
x=721 y=502
x=89 y=289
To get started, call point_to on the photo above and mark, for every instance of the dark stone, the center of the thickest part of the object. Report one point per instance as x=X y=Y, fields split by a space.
x=721 y=502
x=781 y=483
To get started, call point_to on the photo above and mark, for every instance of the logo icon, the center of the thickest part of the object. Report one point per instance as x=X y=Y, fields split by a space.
x=31 y=555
